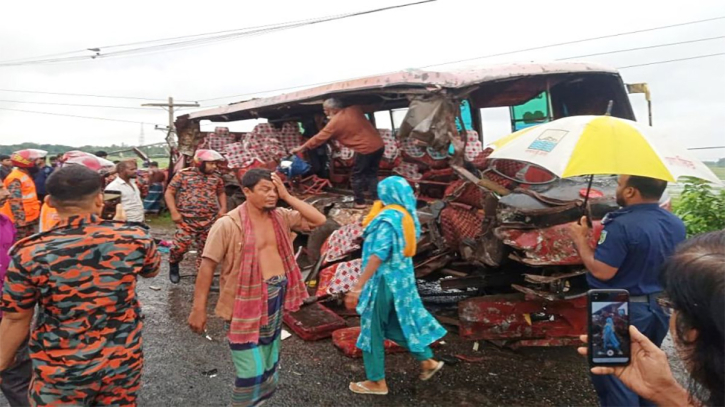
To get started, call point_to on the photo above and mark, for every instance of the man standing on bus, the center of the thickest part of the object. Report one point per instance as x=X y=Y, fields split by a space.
x=350 y=127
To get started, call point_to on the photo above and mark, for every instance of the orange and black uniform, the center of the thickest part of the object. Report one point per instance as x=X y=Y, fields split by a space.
x=197 y=200
x=22 y=207
x=86 y=346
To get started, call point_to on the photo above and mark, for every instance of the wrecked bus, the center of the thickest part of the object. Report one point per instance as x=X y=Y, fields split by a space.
x=494 y=259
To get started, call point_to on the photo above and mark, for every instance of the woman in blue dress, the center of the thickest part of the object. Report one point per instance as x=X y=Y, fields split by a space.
x=386 y=294
x=610 y=338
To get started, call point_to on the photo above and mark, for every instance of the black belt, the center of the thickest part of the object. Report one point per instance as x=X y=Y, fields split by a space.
x=643 y=298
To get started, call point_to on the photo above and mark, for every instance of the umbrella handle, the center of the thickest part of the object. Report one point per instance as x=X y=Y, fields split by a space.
x=585 y=206
x=588 y=216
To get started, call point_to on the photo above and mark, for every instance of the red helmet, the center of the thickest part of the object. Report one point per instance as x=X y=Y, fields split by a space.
x=26 y=158
x=88 y=160
x=207 y=155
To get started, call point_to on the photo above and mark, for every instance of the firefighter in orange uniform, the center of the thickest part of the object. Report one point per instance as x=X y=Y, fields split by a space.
x=23 y=207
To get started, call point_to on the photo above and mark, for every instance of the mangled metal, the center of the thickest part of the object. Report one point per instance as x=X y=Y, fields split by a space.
x=496 y=228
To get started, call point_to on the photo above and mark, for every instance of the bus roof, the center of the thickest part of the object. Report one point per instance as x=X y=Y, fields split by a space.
x=402 y=82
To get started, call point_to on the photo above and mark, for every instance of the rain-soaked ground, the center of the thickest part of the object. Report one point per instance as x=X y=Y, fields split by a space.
x=185 y=369
x=179 y=362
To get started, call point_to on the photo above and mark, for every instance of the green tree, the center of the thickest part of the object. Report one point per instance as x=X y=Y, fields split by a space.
x=701 y=207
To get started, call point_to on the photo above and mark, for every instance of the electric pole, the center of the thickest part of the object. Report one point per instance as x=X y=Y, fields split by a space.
x=170 y=105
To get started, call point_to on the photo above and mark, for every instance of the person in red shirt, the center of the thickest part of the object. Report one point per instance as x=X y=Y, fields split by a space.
x=350 y=127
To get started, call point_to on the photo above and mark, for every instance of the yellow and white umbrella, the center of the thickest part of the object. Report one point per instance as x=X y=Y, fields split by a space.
x=594 y=145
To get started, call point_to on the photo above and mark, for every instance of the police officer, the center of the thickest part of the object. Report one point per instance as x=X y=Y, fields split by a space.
x=634 y=244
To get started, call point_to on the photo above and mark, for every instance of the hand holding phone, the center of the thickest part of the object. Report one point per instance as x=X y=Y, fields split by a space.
x=648 y=374
x=120 y=213
x=609 y=341
x=111 y=200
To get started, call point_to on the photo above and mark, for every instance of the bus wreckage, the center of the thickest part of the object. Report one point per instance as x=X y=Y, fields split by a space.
x=494 y=259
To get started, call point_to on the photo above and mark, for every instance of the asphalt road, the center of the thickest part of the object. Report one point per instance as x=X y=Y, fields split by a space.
x=185 y=369
x=179 y=362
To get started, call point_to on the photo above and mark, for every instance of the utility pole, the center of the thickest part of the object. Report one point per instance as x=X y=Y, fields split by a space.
x=170 y=105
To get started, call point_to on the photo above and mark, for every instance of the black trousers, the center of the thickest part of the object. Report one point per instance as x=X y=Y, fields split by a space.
x=365 y=175
x=16 y=379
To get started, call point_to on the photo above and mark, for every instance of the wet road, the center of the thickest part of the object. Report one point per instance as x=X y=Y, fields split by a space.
x=178 y=363
x=315 y=373
x=185 y=369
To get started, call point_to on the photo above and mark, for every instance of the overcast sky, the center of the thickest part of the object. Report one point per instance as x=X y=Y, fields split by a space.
x=688 y=96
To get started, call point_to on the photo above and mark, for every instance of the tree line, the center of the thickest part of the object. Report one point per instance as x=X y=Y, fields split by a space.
x=53 y=149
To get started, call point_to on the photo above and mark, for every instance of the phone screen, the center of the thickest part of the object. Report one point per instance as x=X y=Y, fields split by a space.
x=111 y=195
x=110 y=200
x=609 y=342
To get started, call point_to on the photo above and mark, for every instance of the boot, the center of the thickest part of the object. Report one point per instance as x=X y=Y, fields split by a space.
x=174 y=276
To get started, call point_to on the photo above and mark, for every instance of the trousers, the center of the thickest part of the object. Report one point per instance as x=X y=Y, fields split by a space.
x=653 y=322
x=16 y=379
x=192 y=230
x=365 y=175
x=385 y=325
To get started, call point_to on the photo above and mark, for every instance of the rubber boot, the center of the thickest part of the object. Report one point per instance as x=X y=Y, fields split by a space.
x=174 y=276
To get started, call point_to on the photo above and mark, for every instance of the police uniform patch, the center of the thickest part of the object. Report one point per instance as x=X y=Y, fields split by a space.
x=602 y=237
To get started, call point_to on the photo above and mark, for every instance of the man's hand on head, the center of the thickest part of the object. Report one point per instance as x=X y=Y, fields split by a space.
x=281 y=189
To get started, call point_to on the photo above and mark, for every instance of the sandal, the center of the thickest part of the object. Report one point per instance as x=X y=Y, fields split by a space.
x=426 y=375
x=359 y=388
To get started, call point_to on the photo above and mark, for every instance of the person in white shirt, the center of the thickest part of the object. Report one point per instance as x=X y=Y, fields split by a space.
x=125 y=183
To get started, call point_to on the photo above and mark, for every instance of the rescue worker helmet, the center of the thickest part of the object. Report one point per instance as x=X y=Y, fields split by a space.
x=26 y=158
x=207 y=155
x=88 y=160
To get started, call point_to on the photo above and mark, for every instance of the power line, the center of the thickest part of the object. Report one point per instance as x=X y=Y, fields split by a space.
x=236 y=30
x=672 y=60
x=75 y=116
x=83 y=95
x=73 y=105
x=147 y=42
x=209 y=38
x=581 y=40
x=706 y=148
x=275 y=90
x=560 y=59
x=643 y=48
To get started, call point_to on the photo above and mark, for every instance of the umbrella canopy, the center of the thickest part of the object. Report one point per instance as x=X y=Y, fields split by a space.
x=593 y=145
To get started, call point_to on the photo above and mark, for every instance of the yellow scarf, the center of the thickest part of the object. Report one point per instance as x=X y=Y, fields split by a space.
x=408 y=225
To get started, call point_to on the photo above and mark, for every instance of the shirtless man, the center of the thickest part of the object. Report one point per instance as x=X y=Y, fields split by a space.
x=259 y=278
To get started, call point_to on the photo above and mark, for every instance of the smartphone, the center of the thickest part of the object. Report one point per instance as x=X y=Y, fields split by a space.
x=110 y=200
x=111 y=195
x=609 y=342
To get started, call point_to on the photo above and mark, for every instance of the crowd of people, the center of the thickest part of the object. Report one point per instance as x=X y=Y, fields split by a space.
x=70 y=332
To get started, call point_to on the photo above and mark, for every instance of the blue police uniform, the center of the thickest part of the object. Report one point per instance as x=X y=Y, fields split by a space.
x=636 y=240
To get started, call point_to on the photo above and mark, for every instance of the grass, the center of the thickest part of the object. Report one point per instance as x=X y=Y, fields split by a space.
x=163 y=161
x=163 y=220
x=719 y=171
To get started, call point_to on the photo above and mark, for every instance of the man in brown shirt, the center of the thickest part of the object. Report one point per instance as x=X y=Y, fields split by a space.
x=350 y=127
x=253 y=245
